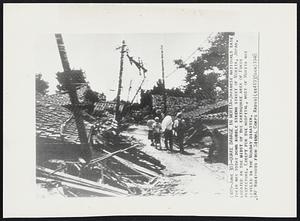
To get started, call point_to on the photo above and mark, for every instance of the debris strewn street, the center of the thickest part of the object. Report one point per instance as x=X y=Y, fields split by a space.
x=171 y=141
x=184 y=173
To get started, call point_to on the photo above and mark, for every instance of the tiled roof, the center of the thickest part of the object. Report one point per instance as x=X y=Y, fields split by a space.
x=104 y=105
x=71 y=133
x=215 y=116
x=204 y=109
x=63 y=99
x=50 y=119
x=190 y=107
x=174 y=104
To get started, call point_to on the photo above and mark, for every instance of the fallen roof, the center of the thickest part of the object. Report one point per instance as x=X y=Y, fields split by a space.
x=63 y=99
x=53 y=121
x=104 y=105
x=204 y=109
x=214 y=116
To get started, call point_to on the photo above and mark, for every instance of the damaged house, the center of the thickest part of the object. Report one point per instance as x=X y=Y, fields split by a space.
x=207 y=122
x=117 y=167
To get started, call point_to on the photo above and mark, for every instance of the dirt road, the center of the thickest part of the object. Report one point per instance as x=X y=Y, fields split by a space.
x=184 y=174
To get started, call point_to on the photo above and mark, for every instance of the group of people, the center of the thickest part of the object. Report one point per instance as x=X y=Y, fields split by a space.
x=169 y=129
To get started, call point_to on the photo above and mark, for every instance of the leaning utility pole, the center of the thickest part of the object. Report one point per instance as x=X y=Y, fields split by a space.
x=129 y=89
x=118 y=114
x=138 y=90
x=72 y=91
x=163 y=80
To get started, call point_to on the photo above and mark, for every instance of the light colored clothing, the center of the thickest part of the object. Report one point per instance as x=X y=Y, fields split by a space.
x=167 y=123
x=176 y=123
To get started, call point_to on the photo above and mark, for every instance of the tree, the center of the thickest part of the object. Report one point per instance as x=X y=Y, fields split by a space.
x=158 y=89
x=66 y=79
x=146 y=99
x=41 y=86
x=206 y=76
x=91 y=96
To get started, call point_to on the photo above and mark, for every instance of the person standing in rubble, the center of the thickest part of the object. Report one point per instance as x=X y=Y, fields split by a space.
x=179 y=129
x=167 y=128
x=157 y=133
x=150 y=124
x=214 y=146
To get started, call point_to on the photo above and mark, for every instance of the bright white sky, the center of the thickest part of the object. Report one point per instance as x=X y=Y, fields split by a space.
x=97 y=56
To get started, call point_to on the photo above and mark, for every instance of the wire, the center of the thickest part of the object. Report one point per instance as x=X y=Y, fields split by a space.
x=176 y=69
x=183 y=62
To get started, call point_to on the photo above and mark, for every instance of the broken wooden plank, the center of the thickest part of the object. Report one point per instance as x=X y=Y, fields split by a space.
x=190 y=137
x=110 y=154
x=81 y=181
x=79 y=187
x=148 y=173
x=104 y=188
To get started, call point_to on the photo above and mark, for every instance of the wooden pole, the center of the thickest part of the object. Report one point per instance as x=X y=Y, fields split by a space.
x=118 y=114
x=129 y=89
x=72 y=91
x=140 y=87
x=163 y=79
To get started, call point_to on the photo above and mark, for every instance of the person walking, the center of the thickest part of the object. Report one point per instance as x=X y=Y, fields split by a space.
x=179 y=128
x=157 y=133
x=167 y=127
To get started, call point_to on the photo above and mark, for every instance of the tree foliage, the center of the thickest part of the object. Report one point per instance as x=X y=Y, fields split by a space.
x=91 y=96
x=41 y=85
x=68 y=79
x=206 y=76
x=158 y=89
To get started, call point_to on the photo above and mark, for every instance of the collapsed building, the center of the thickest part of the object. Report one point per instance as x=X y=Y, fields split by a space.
x=174 y=104
x=209 y=128
x=207 y=123
x=116 y=166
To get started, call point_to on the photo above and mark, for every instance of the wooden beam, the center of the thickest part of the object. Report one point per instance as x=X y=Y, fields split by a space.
x=63 y=177
x=139 y=169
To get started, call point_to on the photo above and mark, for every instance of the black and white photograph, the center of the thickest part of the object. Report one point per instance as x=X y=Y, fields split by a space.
x=135 y=114
x=149 y=110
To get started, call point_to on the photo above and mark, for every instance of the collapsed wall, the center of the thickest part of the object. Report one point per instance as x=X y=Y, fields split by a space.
x=117 y=167
x=207 y=123
x=174 y=104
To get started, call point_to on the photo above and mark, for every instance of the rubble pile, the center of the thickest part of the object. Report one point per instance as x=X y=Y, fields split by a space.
x=55 y=122
x=103 y=106
x=216 y=116
x=49 y=119
x=203 y=109
x=63 y=99
x=109 y=139
x=70 y=132
x=71 y=186
x=117 y=167
x=174 y=104
x=211 y=139
x=163 y=186
x=208 y=130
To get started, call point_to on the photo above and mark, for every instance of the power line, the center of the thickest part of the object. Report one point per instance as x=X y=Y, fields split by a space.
x=183 y=62
x=197 y=49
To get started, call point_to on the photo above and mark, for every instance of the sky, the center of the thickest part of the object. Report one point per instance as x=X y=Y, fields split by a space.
x=97 y=56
